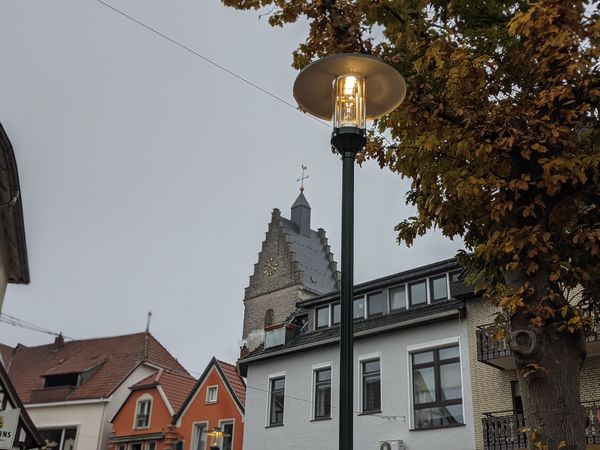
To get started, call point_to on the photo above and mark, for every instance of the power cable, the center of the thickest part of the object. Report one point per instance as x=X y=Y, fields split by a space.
x=208 y=60
x=16 y=322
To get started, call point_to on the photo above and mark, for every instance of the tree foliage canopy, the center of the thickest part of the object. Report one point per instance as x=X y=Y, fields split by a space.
x=499 y=133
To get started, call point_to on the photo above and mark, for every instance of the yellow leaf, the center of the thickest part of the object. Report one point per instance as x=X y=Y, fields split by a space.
x=562 y=444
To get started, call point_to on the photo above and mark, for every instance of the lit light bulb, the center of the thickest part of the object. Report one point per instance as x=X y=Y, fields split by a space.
x=349 y=102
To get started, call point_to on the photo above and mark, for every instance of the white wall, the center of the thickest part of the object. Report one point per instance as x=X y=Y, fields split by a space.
x=91 y=419
x=300 y=433
x=86 y=417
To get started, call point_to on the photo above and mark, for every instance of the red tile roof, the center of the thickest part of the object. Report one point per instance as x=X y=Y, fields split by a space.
x=175 y=386
x=111 y=360
x=235 y=380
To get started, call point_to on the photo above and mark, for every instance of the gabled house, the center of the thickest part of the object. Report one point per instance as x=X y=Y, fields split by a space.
x=217 y=400
x=13 y=269
x=72 y=389
x=144 y=420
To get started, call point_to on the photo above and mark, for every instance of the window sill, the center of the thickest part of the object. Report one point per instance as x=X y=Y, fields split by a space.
x=438 y=428
x=320 y=419
x=369 y=413
x=211 y=403
x=275 y=425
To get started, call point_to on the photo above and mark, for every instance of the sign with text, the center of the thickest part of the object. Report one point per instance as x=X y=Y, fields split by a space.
x=9 y=420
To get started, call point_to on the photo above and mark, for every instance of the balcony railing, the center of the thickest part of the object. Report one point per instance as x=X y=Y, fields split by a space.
x=503 y=430
x=497 y=352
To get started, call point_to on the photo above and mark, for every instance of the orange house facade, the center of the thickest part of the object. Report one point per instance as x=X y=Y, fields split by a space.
x=170 y=411
x=216 y=402
x=144 y=420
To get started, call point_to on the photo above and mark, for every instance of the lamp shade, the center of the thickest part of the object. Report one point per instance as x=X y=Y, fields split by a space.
x=315 y=84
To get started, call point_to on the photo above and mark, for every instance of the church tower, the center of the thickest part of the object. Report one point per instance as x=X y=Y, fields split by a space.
x=295 y=263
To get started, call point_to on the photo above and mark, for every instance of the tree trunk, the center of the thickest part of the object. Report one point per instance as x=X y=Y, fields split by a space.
x=550 y=390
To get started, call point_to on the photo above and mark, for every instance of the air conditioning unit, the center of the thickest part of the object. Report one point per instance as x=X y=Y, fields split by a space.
x=392 y=445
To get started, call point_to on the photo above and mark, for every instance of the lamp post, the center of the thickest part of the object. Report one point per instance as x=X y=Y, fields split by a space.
x=349 y=89
x=216 y=434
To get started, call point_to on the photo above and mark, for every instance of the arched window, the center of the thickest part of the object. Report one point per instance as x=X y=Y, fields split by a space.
x=269 y=318
x=142 y=412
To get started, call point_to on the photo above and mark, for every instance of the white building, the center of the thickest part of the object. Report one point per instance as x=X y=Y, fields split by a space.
x=411 y=380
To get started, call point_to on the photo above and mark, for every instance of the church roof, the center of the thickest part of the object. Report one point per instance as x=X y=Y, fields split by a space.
x=312 y=256
x=301 y=201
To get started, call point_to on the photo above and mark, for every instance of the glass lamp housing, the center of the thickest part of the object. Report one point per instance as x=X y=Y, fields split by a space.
x=349 y=108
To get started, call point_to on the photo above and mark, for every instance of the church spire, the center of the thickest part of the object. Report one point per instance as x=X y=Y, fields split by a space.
x=301 y=215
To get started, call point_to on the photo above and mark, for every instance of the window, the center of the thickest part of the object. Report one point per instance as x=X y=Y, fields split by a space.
x=211 y=394
x=376 y=304
x=135 y=446
x=322 y=314
x=276 y=400
x=199 y=438
x=439 y=288
x=227 y=439
x=417 y=293
x=151 y=445
x=371 y=386
x=336 y=313
x=67 y=379
x=142 y=416
x=269 y=318
x=179 y=445
x=398 y=298
x=437 y=389
x=121 y=447
x=322 y=393
x=517 y=399
x=359 y=308
x=455 y=275
x=60 y=438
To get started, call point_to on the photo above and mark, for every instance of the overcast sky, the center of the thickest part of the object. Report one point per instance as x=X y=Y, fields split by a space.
x=148 y=176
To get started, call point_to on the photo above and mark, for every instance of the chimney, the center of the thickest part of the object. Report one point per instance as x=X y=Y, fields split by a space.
x=59 y=341
x=301 y=215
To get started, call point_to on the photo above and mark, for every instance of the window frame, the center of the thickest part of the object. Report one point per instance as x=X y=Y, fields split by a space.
x=222 y=423
x=389 y=294
x=386 y=309
x=364 y=302
x=63 y=431
x=212 y=388
x=143 y=399
x=270 y=379
x=329 y=318
x=430 y=287
x=332 y=315
x=318 y=368
x=194 y=435
x=434 y=346
x=361 y=403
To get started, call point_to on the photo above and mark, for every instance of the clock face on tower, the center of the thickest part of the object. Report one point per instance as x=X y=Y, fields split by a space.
x=271 y=266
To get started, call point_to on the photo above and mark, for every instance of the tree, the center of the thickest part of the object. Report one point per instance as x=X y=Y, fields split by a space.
x=499 y=134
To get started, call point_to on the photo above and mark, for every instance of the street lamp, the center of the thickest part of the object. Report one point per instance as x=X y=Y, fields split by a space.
x=216 y=434
x=349 y=89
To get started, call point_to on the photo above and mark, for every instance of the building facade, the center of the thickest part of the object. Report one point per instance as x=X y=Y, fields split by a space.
x=412 y=369
x=73 y=389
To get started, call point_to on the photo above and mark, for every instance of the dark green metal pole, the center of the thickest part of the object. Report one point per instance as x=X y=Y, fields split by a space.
x=348 y=141
x=347 y=319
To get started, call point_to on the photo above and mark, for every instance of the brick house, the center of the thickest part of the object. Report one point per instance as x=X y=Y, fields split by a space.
x=497 y=406
x=144 y=420
x=72 y=389
x=217 y=400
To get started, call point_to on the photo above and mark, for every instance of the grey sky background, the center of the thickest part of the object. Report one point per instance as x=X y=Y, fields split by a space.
x=148 y=176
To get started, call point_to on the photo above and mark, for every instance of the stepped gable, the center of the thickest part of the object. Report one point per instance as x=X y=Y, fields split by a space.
x=306 y=257
x=176 y=386
x=103 y=363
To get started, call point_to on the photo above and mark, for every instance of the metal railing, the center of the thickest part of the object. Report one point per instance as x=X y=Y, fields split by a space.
x=490 y=348
x=503 y=430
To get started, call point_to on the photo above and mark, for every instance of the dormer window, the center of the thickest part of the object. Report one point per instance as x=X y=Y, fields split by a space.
x=66 y=379
x=142 y=414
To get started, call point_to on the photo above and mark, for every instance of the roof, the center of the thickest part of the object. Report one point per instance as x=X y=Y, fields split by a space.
x=416 y=316
x=176 y=386
x=313 y=257
x=233 y=381
x=105 y=363
x=11 y=213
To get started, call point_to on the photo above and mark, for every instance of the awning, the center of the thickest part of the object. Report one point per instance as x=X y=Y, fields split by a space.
x=137 y=437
